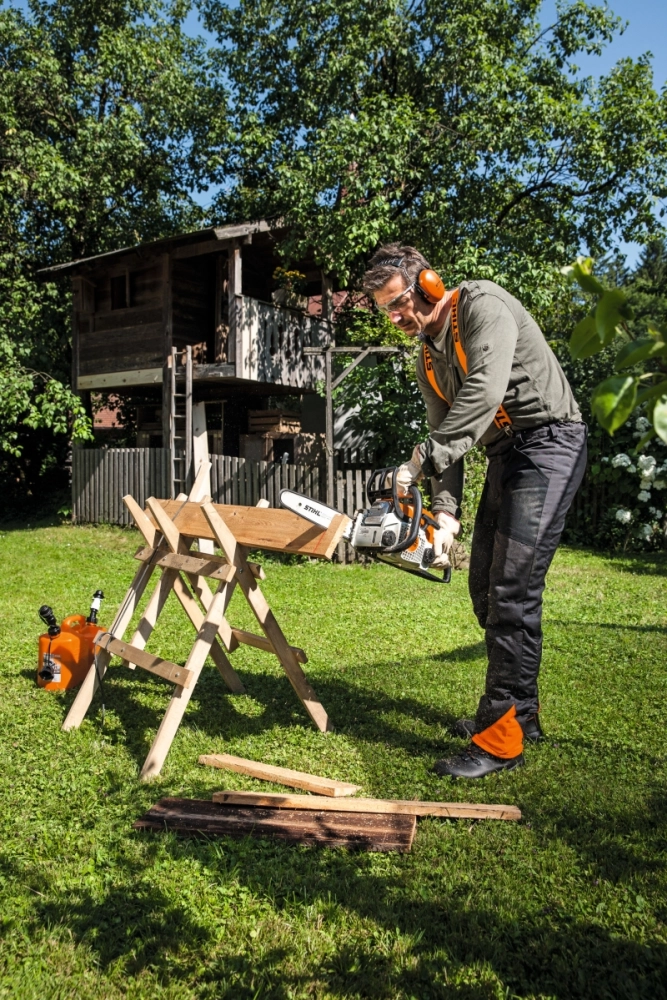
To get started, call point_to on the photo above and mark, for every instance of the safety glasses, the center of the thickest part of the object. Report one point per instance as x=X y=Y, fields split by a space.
x=399 y=303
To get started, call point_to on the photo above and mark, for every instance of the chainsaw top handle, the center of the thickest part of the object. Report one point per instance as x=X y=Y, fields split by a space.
x=377 y=489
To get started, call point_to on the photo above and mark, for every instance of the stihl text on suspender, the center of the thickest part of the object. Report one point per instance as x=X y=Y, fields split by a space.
x=502 y=418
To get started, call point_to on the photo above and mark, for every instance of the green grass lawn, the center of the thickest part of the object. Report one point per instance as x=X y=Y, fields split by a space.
x=571 y=902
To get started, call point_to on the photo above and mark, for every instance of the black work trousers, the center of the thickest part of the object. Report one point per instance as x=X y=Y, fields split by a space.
x=531 y=481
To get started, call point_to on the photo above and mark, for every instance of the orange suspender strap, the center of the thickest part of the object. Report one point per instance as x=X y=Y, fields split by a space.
x=430 y=374
x=502 y=418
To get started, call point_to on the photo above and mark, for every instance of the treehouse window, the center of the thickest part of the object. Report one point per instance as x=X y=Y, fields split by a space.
x=119 y=292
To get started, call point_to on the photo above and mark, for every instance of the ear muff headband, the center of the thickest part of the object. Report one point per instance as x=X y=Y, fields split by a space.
x=428 y=283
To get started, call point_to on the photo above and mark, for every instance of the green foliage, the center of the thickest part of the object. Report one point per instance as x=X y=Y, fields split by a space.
x=390 y=406
x=101 y=107
x=615 y=398
x=567 y=903
x=53 y=406
x=646 y=287
x=455 y=126
x=473 y=484
x=293 y=281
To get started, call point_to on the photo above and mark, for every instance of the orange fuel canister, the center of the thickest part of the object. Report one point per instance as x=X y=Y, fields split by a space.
x=66 y=651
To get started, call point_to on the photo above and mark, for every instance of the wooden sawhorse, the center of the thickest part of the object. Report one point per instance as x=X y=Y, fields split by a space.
x=169 y=528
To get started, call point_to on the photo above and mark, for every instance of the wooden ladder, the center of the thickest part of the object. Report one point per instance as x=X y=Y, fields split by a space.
x=180 y=425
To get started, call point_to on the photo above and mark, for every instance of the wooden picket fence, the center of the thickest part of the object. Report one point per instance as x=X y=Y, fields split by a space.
x=102 y=476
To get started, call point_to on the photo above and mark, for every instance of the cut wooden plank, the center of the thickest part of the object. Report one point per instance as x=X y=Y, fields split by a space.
x=211 y=566
x=360 y=831
x=154 y=664
x=261 y=642
x=260 y=528
x=166 y=525
x=281 y=775
x=403 y=807
x=237 y=555
x=199 y=584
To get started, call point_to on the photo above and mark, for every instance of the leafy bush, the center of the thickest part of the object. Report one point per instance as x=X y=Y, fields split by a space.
x=625 y=375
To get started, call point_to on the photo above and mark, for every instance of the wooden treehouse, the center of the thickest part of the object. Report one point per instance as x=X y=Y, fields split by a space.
x=195 y=330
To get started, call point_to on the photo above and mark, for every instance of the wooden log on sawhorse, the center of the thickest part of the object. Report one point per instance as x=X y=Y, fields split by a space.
x=186 y=573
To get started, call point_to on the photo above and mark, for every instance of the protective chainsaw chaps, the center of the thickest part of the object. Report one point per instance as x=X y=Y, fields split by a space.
x=396 y=530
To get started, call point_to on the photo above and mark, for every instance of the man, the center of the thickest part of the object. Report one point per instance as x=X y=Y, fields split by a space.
x=488 y=375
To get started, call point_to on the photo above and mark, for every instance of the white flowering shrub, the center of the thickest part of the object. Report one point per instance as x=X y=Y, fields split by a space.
x=621 y=504
x=641 y=519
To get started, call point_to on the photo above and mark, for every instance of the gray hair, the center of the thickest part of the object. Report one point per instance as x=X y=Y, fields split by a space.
x=390 y=259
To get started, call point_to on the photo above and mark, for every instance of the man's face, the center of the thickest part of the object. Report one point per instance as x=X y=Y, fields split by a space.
x=405 y=310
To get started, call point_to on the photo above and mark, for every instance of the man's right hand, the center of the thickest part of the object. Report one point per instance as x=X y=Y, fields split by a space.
x=443 y=539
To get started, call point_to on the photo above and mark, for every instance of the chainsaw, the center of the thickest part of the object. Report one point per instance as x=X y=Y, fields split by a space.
x=396 y=530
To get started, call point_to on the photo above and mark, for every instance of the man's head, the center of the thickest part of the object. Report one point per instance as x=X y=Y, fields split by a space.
x=391 y=278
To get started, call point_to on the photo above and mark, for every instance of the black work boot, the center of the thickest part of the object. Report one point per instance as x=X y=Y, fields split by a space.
x=465 y=728
x=532 y=730
x=475 y=763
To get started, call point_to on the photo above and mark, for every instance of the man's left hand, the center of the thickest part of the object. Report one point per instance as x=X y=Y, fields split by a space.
x=410 y=472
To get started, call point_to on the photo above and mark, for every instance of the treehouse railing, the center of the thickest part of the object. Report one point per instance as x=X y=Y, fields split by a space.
x=272 y=340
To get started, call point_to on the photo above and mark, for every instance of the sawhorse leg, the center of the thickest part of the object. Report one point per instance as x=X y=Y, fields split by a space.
x=236 y=555
x=181 y=696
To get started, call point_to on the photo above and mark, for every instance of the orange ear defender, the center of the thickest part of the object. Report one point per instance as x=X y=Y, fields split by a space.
x=428 y=283
x=430 y=286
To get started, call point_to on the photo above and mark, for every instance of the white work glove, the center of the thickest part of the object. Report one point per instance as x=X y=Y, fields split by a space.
x=443 y=539
x=409 y=472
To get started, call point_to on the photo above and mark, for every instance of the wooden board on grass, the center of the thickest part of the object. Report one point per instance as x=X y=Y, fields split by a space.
x=280 y=775
x=360 y=831
x=403 y=807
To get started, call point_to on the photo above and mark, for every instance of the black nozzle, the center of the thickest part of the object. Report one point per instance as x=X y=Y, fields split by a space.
x=49 y=619
x=98 y=596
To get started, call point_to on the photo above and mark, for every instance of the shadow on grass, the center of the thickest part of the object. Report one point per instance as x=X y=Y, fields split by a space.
x=646 y=564
x=618 y=846
x=137 y=923
x=418 y=948
x=427 y=941
x=139 y=702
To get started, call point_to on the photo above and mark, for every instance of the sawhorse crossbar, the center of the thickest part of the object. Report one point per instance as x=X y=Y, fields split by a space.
x=169 y=529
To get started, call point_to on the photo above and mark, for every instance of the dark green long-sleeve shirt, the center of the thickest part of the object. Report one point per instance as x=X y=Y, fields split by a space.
x=509 y=362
